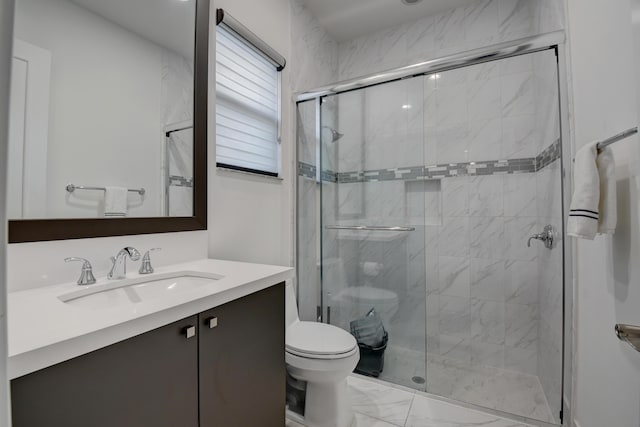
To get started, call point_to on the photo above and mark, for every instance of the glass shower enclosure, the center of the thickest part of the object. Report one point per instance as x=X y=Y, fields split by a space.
x=178 y=169
x=417 y=200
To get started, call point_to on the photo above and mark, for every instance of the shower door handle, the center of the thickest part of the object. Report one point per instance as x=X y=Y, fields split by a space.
x=370 y=228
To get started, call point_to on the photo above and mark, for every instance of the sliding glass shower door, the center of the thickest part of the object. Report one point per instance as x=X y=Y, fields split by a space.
x=495 y=321
x=373 y=203
x=440 y=210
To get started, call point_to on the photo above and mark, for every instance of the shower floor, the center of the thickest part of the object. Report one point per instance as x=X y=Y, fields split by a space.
x=499 y=389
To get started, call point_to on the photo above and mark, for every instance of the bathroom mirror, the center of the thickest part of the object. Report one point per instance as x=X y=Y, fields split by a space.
x=108 y=118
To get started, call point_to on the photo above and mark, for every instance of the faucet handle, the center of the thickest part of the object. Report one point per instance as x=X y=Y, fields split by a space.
x=146 y=267
x=86 y=276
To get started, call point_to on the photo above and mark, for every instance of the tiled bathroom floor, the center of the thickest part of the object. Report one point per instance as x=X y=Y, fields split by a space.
x=379 y=405
x=493 y=388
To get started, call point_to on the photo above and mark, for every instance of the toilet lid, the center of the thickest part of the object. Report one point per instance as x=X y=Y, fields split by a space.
x=318 y=338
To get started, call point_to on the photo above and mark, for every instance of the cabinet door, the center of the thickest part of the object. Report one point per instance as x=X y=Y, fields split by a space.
x=242 y=367
x=148 y=380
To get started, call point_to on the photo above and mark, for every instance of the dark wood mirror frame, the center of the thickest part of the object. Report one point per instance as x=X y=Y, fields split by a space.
x=35 y=230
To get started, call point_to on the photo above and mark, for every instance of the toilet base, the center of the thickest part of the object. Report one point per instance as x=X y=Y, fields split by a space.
x=323 y=399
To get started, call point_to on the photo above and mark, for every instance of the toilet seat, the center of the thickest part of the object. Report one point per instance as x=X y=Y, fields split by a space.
x=319 y=341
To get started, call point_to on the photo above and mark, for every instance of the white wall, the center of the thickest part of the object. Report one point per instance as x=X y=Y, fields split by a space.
x=6 y=30
x=106 y=115
x=608 y=275
x=250 y=217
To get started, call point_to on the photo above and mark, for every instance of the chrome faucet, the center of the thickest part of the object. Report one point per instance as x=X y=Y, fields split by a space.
x=119 y=267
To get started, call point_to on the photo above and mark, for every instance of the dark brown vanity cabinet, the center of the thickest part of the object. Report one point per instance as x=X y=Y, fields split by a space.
x=242 y=368
x=147 y=380
x=187 y=374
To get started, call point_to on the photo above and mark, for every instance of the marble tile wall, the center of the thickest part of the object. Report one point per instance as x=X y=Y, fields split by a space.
x=314 y=54
x=314 y=63
x=478 y=24
x=482 y=287
x=483 y=309
x=177 y=88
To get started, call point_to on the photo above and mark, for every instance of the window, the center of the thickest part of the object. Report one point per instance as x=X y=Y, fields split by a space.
x=247 y=100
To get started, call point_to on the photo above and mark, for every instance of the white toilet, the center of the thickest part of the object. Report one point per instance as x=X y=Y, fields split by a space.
x=323 y=356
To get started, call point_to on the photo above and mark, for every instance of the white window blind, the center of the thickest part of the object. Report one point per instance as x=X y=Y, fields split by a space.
x=247 y=106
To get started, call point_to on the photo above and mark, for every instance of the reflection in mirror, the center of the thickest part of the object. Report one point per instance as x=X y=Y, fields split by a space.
x=101 y=119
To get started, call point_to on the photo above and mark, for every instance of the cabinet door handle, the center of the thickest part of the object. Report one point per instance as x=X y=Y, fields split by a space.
x=212 y=322
x=190 y=331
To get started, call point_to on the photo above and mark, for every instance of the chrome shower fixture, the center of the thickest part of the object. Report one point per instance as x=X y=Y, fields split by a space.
x=335 y=135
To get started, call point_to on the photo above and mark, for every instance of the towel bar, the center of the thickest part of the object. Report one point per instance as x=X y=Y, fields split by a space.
x=71 y=188
x=619 y=137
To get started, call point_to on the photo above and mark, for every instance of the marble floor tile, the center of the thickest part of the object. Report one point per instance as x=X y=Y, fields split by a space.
x=361 y=420
x=376 y=404
x=380 y=401
x=486 y=386
x=490 y=387
x=366 y=421
x=426 y=412
x=401 y=365
x=494 y=388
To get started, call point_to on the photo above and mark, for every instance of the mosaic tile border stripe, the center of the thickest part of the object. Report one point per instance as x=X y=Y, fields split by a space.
x=180 y=181
x=306 y=170
x=448 y=170
x=309 y=171
x=548 y=155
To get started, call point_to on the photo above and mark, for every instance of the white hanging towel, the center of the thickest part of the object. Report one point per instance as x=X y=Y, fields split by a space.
x=608 y=203
x=593 y=206
x=115 y=201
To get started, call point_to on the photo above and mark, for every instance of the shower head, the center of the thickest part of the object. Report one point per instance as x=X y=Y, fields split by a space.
x=335 y=135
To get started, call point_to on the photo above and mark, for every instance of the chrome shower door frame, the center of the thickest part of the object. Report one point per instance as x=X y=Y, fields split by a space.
x=555 y=40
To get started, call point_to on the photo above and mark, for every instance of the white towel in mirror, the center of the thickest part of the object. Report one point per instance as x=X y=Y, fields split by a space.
x=115 y=201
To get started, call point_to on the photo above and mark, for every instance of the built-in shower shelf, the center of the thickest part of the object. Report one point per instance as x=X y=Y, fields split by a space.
x=423 y=202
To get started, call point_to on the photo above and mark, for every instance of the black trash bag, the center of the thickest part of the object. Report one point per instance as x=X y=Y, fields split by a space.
x=369 y=329
x=372 y=341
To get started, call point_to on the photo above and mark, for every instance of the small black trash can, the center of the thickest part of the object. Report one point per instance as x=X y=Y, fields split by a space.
x=372 y=341
x=372 y=358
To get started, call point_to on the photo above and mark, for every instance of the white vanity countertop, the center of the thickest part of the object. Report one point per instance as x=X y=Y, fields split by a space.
x=44 y=331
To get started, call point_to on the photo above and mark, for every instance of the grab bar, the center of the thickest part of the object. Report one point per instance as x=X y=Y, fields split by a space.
x=369 y=228
x=629 y=334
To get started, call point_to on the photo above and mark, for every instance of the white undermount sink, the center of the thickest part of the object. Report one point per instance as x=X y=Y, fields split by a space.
x=137 y=290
